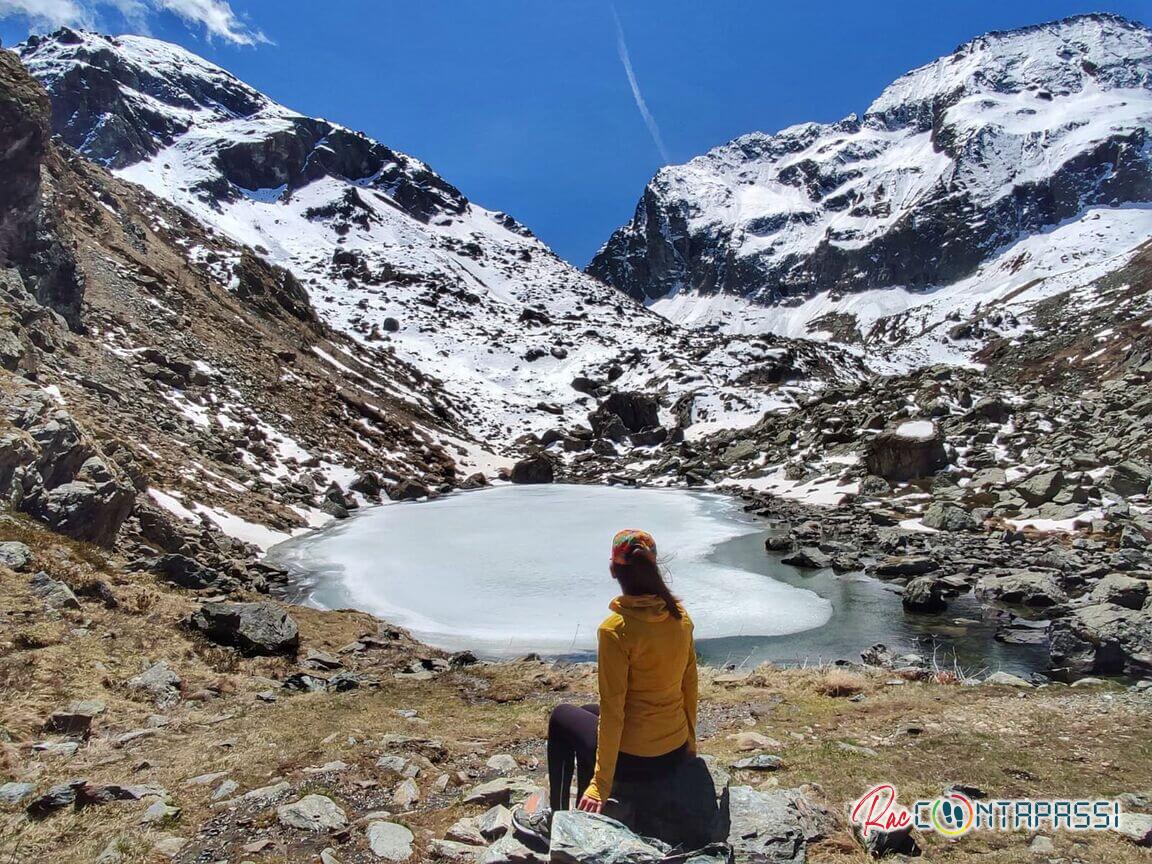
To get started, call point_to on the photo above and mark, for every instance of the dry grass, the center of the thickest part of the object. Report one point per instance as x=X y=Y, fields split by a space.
x=926 y=735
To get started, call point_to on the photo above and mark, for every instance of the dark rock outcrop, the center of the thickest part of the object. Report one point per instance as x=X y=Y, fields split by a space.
x=635 y=412
x=535 y=469
x=254 y=628
x=33 y=237
x=898 y=457
x=52 y=470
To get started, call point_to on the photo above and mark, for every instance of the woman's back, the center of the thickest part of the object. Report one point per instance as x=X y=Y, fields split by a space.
x=647 y=676
x=657 y=650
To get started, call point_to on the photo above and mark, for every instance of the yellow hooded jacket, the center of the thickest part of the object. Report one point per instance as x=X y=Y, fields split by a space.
x=647 y=672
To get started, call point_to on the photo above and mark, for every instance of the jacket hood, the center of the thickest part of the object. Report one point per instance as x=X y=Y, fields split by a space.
x=642 y=607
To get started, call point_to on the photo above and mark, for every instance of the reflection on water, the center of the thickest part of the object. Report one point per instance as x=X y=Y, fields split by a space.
x=865 y=612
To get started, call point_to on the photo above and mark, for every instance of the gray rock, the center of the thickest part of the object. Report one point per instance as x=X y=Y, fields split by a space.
x=901 y=566
x=1024 y=587
x=389 y=841
x=923 y=594
x=450 y=850
x=113 y=853
x=1129 y=478
x=312 y=813
x=587 y=838
x=254 y=628
x=159 y=812
x=775 y=826
x=495 y=822
x=15 y=793
x=503 y=763
x=1121 y=590
x=509 y=850
x=65 y=749
x=321 y=660
x=15 y=556
x=263 y=795
x=1040 y=488
x=1102 y=639
x=898 y=458
x=1004 y=679
x=55 y=594
x=185 y=572
x=56 y=798
x=1041 y=845
x=159 y=682
x=1135 y=827
x=944 y=516
x=76 y=719
x=169 y=847
x=536 y=469
x=466 y=831
x=500 y=791
x=406 y=795
x=760 y=762
x=807 y=556
x=92 y=507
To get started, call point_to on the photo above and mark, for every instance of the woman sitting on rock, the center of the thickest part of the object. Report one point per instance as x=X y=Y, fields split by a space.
x=645 y=724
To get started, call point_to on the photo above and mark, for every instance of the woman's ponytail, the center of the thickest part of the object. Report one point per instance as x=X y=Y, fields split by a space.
x=641 y=575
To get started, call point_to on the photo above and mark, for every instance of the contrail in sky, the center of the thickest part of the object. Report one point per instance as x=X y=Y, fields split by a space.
x=626 y=59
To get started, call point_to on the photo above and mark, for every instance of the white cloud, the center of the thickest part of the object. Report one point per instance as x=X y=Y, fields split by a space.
x=49 y=13
x=217 y=17
x=637 y=96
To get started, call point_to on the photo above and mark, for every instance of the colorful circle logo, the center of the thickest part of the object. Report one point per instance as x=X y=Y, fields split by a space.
x=953 y=815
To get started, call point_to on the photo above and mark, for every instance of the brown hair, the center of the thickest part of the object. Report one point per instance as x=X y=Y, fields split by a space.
x=642 y=575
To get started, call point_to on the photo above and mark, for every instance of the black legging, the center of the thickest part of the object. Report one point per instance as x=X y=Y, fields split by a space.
x=572 y=746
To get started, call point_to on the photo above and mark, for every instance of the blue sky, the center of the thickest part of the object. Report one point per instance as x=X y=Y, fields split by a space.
x=526 y=104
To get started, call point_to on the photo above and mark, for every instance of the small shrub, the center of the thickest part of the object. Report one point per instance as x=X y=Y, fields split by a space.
x=839 y=683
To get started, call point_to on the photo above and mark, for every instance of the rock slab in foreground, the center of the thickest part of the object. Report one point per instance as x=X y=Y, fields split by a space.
x=254 y=628
x=679 y=809
x=584 y=838
x=773 y=827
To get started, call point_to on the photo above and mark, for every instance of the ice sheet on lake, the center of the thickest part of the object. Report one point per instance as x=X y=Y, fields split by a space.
x=518 y=569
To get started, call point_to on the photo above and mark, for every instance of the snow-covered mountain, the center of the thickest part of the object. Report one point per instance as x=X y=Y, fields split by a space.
x=1022 y=155
x=391 y=252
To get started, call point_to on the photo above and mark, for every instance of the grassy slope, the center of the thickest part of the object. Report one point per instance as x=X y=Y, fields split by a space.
x=1043 y=743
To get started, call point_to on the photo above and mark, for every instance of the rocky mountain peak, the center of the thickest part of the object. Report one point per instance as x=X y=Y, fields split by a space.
x=1058 y=58
x=961 y=166
x=122 y=100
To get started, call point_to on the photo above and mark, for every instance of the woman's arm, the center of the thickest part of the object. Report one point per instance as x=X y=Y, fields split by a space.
x=613 y=678
x=689 y=687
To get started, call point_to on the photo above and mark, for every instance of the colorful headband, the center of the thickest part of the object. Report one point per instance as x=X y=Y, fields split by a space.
x=626 y=542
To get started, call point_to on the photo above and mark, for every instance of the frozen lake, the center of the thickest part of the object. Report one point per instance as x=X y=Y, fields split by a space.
x=520 y=569
x=517 y=569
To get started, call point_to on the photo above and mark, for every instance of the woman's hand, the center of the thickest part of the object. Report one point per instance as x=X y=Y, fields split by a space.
x=590 y=805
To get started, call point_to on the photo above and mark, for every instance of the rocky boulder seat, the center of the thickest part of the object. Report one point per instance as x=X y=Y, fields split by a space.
x=680 y=810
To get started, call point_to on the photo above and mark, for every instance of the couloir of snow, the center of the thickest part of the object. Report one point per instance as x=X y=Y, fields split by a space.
x=898 y=329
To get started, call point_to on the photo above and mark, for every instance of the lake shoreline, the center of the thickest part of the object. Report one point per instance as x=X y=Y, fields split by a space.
x=962 y=639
